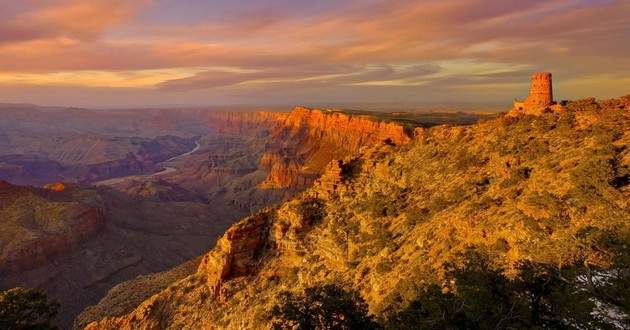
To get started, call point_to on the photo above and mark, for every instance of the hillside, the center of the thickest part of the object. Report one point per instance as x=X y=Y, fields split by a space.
x=534 y=204
x=183 y=191
x=76 y=243
x=38 y=225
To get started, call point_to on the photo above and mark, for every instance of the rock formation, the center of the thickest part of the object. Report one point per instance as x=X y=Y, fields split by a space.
x=39 y=225
x=309 y=139
x=234 y=253
x=331 y=182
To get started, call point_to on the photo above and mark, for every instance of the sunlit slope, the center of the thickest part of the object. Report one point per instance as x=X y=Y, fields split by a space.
x=527 y=195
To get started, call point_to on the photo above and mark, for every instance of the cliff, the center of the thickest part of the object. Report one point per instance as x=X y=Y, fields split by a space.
x=39 y=225
x=254 y=159
x=550 y=191
x=307 y=140
x=349 y=131
x=255 y=123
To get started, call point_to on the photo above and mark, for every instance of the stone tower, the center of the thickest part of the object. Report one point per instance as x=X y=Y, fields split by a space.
x=540 y=94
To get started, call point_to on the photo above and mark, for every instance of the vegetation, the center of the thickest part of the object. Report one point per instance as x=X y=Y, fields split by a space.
x=322 y=307
x=541 y=297
x=22 y=309
x=517 y=222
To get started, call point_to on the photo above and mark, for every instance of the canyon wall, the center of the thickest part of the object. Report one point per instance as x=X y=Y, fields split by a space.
x=254 y=159
x=241 y=123
x=40 y=225
x=305 y=142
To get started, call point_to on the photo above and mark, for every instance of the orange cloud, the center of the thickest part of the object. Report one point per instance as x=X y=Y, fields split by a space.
x=68 y=19
x=361 y=44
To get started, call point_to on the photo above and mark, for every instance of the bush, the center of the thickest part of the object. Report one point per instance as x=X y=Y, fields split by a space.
x=312 y=210
x=322 y=307
x=26 y=309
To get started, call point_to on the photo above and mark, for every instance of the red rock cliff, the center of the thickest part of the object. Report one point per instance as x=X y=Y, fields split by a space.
x=347 y=131
x=234 y=252
x=240 y=251
x=307 y=140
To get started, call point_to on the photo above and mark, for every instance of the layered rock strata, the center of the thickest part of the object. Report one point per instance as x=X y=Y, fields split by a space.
x=39 y=225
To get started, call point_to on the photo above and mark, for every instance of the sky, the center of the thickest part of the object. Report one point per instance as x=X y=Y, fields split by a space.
x=127 y=53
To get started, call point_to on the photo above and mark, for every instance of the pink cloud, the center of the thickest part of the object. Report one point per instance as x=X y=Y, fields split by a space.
x=304 y=77
x=68 y=18
x=361 y=41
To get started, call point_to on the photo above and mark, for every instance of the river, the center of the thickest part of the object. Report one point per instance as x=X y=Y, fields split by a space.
x=165 y=170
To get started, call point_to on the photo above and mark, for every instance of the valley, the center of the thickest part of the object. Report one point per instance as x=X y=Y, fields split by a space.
x=163 y=199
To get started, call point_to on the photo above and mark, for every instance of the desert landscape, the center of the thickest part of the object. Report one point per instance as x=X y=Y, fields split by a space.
x=330 y=165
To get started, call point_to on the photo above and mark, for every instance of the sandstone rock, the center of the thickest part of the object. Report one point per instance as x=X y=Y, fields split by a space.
x=55 y=186
x=312 y=138
x=36 y=225
x=234 y=252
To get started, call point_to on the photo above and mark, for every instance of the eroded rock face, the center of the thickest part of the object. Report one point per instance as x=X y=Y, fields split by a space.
x=38 y=225
x=307 y=140
x=330 y=182
x=234 y=252
x=242 y=123
x=351 y=131
x=268 y=157
x=242 y=249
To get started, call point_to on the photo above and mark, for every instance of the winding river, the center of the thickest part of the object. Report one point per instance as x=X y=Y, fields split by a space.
x=165 y=170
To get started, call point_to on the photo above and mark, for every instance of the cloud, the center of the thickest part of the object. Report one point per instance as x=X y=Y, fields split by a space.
x=74 y=19
x=305 y=76
x=365 y=33
x=351 y=46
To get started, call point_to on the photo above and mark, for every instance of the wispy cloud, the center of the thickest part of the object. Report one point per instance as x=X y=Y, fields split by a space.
x=69 y=19
x=355 y=44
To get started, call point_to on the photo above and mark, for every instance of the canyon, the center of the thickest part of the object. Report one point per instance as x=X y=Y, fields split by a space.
x=392 y=220
x=167 y=182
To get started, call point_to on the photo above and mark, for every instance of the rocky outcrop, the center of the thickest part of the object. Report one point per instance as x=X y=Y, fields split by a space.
x=58 y=186
x=234 y=252
x=307 y=140
x=330 y=182
x=245 y=246
x=38 y=225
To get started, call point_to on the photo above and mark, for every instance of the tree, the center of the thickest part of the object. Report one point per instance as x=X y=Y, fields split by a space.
x=483 y=298
x=22 y=309
x=322 y=307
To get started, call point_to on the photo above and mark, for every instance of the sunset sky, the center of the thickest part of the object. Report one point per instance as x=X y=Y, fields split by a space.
x=290 y=52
